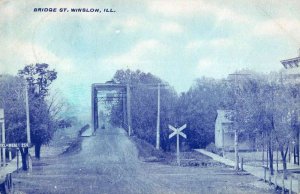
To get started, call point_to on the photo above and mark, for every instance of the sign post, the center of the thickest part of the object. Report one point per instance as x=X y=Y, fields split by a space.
x=17 y=160
x=3 y=134
x=128 y=93
x=17 y=146
x=158 y=118
x=177 y=132
x=27 y=114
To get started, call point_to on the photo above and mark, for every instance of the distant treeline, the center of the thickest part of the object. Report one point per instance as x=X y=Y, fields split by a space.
x=262 y=103
x=197 y=108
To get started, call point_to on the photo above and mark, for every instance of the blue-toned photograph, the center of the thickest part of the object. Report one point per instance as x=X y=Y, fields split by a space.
x=149 y=97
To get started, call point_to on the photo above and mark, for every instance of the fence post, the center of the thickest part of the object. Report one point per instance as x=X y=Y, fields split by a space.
x=291 y=184
x=283 y=184
x=276 y=174
x=8 y=185
x=29 y=163
x=270 y=177
x=9 y=155
x=242 y=164
x=298 y=183
x=265 y=174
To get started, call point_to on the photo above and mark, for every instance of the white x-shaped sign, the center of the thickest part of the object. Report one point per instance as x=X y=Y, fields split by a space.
x=177 y=131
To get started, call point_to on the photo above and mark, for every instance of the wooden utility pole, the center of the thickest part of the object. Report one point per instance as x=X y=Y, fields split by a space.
x=223 y=143
x=158 y=119
x=93 y=109
x=27 y=114
x=128 y=109
x=236 y=138
x=157 y=87
x=124 y=108
x=298 y=153
x=236 y=149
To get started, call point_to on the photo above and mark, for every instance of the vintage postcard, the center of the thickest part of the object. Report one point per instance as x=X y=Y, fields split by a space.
x=149 y=96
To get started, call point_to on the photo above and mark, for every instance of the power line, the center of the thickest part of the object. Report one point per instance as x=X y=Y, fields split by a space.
x=266 y=14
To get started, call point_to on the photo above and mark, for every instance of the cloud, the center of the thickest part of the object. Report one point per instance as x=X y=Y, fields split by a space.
x=214 y=43
x=175 y=7
x=221 y=42
x=208 y=67
x=204 y=64
x=9 y=11
x=194 y=8
x=142 y=55
x=171 y=27
x=132 y=22
x=229 y=15
x=195 y=45
x=211 y=67
x=19 y=53
x=128 y=24
x=279 y=27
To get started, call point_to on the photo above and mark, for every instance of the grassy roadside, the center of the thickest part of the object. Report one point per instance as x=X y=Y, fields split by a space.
x=148 y=153
x=74 y=146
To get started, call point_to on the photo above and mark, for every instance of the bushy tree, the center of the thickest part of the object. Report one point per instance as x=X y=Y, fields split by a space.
x=144 y=105
x=13 y=102
x=198 y=108
x=39 y=77
x=265 y=110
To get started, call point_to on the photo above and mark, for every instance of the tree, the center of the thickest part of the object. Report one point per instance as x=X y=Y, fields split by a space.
x=39 y=78
x=244 y=90
x=274 y=116
x=12 y=100
x=261 y=114
x=198 y=108
x=252 y=113
x=284 y=125
x=144 y=108
x=266 y=108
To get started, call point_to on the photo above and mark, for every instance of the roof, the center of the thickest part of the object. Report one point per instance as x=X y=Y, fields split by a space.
x=291 y=63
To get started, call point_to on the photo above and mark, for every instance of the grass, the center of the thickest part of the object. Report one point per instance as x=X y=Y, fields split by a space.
x=74 y=147
x=148 y=153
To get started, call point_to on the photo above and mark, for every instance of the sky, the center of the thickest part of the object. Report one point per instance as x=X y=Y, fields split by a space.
x=176 y=40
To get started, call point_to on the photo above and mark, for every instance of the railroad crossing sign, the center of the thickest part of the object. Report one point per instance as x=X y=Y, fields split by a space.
x=177 y=132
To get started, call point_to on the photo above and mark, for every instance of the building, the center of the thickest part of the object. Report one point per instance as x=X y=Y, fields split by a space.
x=291 y=63
x=292 y=74
x=292 y=70
x=224 y=133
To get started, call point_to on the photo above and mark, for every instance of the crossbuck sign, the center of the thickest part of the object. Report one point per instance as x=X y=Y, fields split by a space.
x=177 y=132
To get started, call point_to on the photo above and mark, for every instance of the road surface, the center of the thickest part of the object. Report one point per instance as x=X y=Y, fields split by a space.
x=108 y=163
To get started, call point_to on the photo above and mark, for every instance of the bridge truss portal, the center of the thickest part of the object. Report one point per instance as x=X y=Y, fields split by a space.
x=123 y=93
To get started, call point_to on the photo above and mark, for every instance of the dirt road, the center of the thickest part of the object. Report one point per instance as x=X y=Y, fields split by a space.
x=108 y=163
